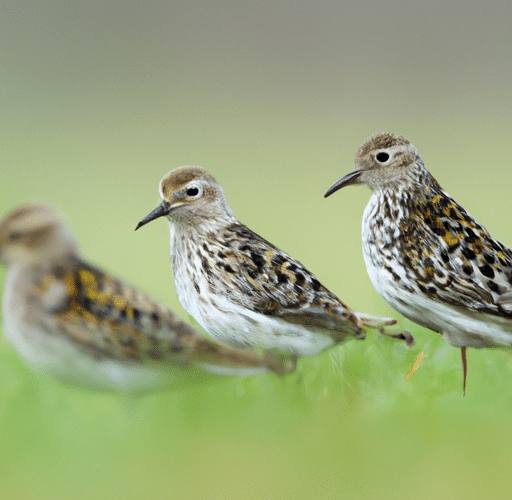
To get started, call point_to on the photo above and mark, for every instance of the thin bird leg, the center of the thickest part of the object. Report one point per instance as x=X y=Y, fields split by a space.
x=464 y=368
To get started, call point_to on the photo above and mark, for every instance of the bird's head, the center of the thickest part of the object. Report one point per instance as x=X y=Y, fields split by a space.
x=383 y=161
x=192 y=196
x=34 y=234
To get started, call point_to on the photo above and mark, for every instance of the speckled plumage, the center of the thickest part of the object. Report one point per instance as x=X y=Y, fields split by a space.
x=71 y=319
x=239 y=287
x=425 y=254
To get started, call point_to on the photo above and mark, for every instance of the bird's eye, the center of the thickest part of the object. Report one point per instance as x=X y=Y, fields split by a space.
x=382 y=157
x=192 y=191
x=15 y=235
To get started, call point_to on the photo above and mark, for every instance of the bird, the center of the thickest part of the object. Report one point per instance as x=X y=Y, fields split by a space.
x=72 y=320
x=241 y=289
x=425 y=254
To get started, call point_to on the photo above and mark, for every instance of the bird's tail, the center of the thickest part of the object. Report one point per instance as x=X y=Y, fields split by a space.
x=222 y=359
x=378 y=323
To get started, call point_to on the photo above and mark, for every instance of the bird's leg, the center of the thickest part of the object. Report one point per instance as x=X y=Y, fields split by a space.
x=464 y=368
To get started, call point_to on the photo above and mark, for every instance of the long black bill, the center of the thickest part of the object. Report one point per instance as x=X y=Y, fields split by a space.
x=163 y=209
x=346 y=180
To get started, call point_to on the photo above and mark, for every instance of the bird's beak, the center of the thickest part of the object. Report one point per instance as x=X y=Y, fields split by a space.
x=163 y=209
x=346 y=180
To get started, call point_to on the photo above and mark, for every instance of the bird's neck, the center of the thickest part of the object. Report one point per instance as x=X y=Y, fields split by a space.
x=407 y=191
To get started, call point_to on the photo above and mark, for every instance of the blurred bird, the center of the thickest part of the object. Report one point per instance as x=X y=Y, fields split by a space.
x=425 y=255
x=71 y=319
x=240 y=288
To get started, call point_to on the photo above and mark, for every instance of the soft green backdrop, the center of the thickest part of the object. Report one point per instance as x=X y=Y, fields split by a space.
x=100 y=99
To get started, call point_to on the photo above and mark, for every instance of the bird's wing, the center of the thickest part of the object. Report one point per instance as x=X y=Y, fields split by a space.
x=464 y=264
x=267 y=276
x=114 y=319
x=268 y=281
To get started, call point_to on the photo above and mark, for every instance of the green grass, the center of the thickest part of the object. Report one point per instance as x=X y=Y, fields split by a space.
x=347 y=424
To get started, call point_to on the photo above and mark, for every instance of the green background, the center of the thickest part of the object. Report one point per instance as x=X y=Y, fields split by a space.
x=100 y=99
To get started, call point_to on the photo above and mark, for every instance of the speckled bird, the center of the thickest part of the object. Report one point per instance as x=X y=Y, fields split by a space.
x=425 y=255
x=240 y=288
x=73 y=320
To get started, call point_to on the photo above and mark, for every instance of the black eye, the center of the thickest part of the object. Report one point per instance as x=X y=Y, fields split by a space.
x=192 y=191
x=382 y=157
x=15 y=235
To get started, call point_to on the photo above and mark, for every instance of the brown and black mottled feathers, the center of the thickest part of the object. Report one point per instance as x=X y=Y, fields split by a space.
x=473 y=270
x=268 y=281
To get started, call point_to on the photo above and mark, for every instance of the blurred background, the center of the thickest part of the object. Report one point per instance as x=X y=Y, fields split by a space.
x=100 y=99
